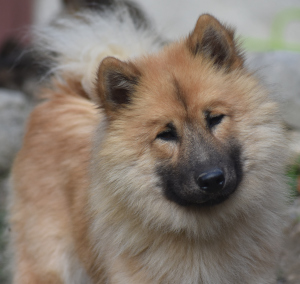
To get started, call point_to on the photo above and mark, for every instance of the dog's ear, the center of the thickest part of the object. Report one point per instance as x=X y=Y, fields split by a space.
x=216 y=42
x=116 y=83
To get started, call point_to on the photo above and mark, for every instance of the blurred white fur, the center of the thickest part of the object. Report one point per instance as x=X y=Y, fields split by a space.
x=109 y=33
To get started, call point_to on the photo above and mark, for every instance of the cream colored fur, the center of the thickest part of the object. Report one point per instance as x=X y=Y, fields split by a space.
x=83 y=41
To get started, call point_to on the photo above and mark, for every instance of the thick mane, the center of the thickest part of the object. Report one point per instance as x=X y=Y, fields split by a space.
x=75 y=45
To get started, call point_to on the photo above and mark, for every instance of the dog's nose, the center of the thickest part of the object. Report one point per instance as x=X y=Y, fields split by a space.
x=211 y=181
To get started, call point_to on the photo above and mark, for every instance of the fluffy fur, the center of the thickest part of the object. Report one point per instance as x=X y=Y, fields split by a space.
x=87 y=201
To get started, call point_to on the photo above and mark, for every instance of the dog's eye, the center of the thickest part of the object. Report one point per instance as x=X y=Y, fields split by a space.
x=169 y=134
x=213 y=120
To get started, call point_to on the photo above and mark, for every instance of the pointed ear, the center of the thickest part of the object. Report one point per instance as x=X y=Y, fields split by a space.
x=116 y=83
x=216 y=42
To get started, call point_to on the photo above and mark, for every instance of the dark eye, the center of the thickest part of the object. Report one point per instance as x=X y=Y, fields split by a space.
x=169 y=134
x=213 y=120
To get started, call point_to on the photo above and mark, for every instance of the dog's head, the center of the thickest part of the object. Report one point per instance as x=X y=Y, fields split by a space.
x=180 y=124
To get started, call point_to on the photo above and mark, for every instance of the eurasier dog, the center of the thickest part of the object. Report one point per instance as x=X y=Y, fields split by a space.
x=147 y=162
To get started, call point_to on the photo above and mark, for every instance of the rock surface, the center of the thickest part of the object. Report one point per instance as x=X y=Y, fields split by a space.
x=14 y=109
x=280 y=72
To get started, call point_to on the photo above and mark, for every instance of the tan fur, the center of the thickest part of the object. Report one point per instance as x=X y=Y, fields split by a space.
x=86 y=205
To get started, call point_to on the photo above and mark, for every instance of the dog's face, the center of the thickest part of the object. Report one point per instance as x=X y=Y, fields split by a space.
x=179 y=123
x=207 y=171
x=197 y=154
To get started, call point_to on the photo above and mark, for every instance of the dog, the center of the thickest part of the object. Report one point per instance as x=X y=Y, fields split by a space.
x=148 y=161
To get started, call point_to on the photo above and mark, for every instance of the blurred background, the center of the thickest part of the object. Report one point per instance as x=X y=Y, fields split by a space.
x=269 y=31
x=254 y=19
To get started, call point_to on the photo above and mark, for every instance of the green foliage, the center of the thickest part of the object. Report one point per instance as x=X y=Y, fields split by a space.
x=276 y=40
x=293 y=174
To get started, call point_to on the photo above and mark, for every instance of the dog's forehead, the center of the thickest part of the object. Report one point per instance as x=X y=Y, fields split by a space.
x=184 y=83
x=177 y=85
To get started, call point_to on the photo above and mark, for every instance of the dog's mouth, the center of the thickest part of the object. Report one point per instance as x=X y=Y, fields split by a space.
x=211 y=201
x=199 y=199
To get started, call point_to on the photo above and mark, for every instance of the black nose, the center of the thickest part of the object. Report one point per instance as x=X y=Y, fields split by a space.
x=211 y=181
